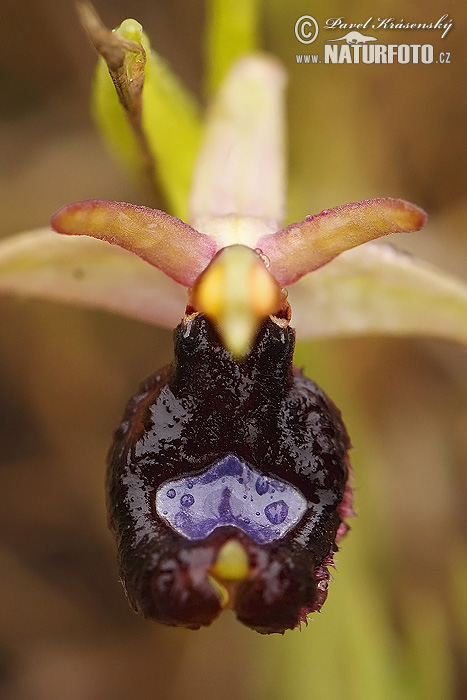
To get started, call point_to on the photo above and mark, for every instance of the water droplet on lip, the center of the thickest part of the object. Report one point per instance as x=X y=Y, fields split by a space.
x=187 y=500
x=277 y=512
x=262 y=485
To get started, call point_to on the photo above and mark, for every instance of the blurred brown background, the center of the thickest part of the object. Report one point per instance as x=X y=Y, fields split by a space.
x=395 y=624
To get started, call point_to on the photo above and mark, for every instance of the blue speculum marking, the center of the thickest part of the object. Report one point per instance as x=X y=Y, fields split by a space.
x=230 y=492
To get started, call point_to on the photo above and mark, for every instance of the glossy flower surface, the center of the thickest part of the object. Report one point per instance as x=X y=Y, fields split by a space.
x=228 y=478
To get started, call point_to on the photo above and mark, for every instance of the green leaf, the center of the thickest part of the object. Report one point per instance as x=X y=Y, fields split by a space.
x=172 y=124
x=376 y=289
x=232 y=32
x=88 y=272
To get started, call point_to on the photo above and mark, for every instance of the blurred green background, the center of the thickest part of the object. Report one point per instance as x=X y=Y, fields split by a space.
x=395 y=623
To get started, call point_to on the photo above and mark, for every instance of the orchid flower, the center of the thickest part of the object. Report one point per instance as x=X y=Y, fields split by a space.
x=235 y=256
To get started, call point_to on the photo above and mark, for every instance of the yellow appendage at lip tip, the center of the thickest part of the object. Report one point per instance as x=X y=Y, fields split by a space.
x=237 y=293
x=232 y=563
x=231 y=566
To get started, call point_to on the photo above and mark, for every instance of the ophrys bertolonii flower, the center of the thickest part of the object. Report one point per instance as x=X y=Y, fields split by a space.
x=228 y=481
x=236 y=310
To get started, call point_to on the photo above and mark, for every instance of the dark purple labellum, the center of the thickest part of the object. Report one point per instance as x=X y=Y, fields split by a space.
x=212 y=451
